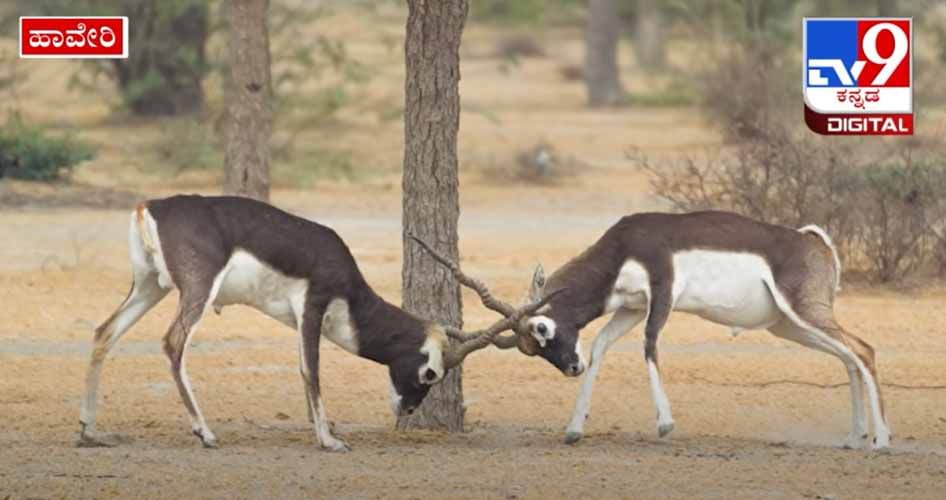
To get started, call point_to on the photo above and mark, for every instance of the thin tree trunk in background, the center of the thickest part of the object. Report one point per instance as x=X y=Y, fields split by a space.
x=431 y=204
x=248 y=97
x=649 y=43
x=601 y=47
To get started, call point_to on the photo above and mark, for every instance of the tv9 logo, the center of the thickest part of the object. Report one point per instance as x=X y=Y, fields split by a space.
x=858 y=75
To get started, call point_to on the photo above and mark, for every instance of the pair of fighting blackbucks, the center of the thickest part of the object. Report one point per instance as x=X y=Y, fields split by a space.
x=723 y=267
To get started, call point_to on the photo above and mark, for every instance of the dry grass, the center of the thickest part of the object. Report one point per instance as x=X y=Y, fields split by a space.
x=731 y=442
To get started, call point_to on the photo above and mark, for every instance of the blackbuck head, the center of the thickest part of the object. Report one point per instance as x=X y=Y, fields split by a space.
x=544 y=333
x=535 y=333
x=412 y=375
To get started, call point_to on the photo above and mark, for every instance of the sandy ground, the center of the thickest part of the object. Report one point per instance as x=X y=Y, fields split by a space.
x=64 y=271
x=751 y=418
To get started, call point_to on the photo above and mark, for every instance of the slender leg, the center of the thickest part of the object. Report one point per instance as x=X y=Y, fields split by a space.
x=864 y=354
x=808 y=306
x=144 y=294
x=858 y=435
x=193 y=305
x=305 y=382
x=661 y=304
x=622 y=322
x=308 y=402
x=815 y=339
x=310 y=332
x=858 y=357
x=665 y=421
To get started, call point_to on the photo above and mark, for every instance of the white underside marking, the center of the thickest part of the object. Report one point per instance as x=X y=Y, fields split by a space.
x=664 y=416
x=249 y=281
x=631 y=288
x=395 y=398
x=723 y=287
x=152 y=244
x=433 y=348
x=581 y=355
x=338 y=327
x=141 y=267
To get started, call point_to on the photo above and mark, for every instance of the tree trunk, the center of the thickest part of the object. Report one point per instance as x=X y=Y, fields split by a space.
x=431 y=205
x=248 y=98
x=601 y=47
x=649 y=44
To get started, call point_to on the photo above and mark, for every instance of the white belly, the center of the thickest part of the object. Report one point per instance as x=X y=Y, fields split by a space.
x=722 y=287
x=251 y=282
x=725 y=288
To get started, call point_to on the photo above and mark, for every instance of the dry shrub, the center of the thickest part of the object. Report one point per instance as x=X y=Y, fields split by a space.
x=885 y=212
x=883 y=200
x=899 y=209
x=747 y=88
x=539 y=164
x=780 y=181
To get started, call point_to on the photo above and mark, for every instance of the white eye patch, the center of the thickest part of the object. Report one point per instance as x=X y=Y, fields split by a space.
x=433 y=370
x=429 y=376
x=542 y=328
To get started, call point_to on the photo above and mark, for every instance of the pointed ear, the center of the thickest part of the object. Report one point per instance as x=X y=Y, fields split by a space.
x=538 y=283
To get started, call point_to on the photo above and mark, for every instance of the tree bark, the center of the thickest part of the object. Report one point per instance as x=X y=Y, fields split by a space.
x=601 y=48
x=248 y=98
x=431 y=204
x=649 y=44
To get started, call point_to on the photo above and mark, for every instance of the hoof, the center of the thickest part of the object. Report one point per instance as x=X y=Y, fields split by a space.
x=337 y=446
x=664 y=429
x=882 y=443
x=89 y=440
x=572 y=437
x=209 y=441
x=854 y=442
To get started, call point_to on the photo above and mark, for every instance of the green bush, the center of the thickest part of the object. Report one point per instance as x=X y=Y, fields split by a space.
x=29 y=153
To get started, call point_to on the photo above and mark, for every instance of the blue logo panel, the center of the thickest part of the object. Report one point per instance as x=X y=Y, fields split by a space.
x=831 y=39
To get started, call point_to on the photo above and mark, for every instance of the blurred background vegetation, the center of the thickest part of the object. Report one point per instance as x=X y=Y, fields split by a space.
x=535 y=74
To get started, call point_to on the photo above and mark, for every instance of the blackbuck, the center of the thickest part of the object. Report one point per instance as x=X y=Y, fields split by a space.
x=218 y=251
x=720 y=266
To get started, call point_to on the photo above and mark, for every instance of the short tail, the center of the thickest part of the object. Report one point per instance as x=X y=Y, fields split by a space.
x=143 y=231
x=834 y=251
